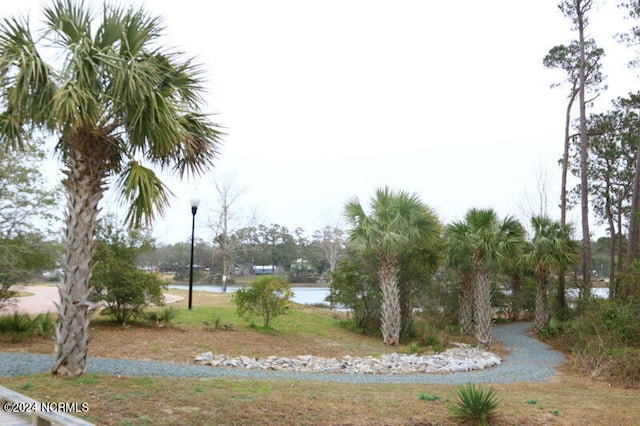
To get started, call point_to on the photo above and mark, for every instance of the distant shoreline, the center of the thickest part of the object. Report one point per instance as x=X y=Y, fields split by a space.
x=308 y=285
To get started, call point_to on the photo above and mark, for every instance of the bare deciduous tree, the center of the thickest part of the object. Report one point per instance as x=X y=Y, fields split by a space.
x=332 y=240
x=224 y=224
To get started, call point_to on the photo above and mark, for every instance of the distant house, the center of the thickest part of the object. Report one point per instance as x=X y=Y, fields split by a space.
x=265 y=270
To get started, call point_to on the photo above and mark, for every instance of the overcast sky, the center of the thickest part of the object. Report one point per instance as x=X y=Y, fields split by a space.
x=326 y=100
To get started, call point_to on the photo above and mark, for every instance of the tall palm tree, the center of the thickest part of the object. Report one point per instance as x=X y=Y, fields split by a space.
x=114 y=98
x=551 y=247
x=397 y=221
x=486 y=241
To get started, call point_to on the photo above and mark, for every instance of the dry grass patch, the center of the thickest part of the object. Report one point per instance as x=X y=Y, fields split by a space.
x=163 y=401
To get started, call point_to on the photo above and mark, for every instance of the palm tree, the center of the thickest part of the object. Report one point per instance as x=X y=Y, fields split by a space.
x=113 y=98
x=551 y=247
x=486 y=242
x=397 y=221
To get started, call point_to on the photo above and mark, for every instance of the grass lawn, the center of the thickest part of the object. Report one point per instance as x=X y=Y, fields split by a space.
x=568 y=399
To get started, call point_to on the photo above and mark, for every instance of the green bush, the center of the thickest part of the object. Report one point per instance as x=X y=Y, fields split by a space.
x=126 y=291
x=43 y=325
x=355 y=287
x=162 y=317
x=474 y=404
x=267 y=297
x=607 y=324
x=17 y=327
x=116 y=282
x=604 y=338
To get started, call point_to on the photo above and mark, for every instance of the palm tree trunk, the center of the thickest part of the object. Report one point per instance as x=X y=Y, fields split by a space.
x=466 y=305
x=541 y=320
x=483 y=308
x=516 y=296
x=84 y=185
x=390 y=309
x=406 y=305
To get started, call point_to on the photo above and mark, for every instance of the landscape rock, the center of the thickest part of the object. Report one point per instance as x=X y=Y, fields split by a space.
x=460 y=358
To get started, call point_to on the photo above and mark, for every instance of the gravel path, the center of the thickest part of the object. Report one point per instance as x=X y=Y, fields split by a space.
x=529 y=361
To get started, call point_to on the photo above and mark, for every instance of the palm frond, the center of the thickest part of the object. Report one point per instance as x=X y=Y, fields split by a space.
x=551 y=245
x=198 y=149
x=25 y=79
x=144 y=192
x=397 y=219
x=140 y=30
x=67 y=22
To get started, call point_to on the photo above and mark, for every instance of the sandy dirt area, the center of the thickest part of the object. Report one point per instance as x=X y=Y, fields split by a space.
x=44 y=297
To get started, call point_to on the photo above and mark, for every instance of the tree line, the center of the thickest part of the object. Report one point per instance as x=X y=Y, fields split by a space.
x=305 y=258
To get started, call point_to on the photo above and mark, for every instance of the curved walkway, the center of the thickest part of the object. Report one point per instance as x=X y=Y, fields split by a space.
x=529 y=361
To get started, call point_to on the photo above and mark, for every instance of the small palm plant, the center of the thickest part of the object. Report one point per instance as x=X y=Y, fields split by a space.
x=474 y=404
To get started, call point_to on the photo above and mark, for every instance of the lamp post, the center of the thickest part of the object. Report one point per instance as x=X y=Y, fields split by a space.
x=194 y=209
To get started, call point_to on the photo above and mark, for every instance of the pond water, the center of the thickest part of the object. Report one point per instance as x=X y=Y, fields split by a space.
x=317 y=295
x=601 y=292
x=302 y=295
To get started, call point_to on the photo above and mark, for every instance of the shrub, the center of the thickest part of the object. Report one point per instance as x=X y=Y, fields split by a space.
x=625 y=366
x=605 y=324
x=267 y=297
x=16 y=327
x=474 y=404
x=43 y=324
x=126 y=291
x=355 y=287
x=116 y=282
x=162 y=317
x=604 y=339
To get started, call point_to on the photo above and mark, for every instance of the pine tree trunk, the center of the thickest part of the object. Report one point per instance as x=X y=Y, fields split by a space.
x=541 y=320
x=84 y=186
x=466 y=305
x=483 y=309
x=634 y=233
x=390 y=315
x=561 y=296
x=584 y=179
